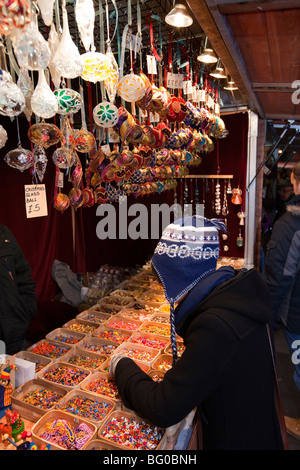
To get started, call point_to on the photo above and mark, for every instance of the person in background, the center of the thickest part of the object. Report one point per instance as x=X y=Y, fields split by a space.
x=282 y=275
x=285 y=194
x=226 y=368
x=17 y=293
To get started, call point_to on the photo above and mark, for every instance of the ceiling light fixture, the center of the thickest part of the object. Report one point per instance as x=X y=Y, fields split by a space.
x=218 y=72
x=231 y=86
x=179 y=16
x=207 y=57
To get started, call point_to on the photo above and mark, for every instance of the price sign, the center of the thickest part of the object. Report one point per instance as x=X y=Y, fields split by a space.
x=35 y=200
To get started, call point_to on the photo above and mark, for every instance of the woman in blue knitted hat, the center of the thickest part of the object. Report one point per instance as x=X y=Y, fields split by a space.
x=226 y=369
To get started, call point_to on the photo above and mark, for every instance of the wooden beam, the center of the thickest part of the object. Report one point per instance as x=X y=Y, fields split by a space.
x=229 y=7
x=221 y=37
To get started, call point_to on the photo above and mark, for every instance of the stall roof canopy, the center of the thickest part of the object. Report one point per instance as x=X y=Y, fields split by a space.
x=259 y=43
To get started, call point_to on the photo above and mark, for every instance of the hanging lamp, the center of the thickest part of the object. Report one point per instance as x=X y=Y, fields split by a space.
x=207 y=56
x=179 y=16
x=231 y=86
x=218 y=72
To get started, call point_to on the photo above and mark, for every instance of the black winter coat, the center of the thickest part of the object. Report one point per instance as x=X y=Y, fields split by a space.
x=282 y=266
x=17 y=293
x=226 y=370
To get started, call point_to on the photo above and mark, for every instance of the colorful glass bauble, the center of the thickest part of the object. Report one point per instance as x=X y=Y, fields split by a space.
x=64 y=157
x=76 y=176
x=44 y=134
x=14 y=15
x=76 y=198
x=3 y=136
x=61 y=202
x=40 y=161
x=43 y=101
x=84 y=141
x=67 y=133
x=67 y=60
x=131 y=88
x=88 y=197
x=46 y=9
x=95 y=66
x=31 y=49
x=101 y=195
x=19 y=158
x=85 y=19
x=12 y=100
x=145 y=101
x=69 y=101
x=106 y=114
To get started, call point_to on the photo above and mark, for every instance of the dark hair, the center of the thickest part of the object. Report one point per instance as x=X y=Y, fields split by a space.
x=296 y=172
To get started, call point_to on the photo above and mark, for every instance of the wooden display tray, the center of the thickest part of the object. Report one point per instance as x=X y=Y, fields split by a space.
x=129 y=345
x=158 y=326
x=159 y=316
x=116 y=318
x=97 y=342
x=92 y=378
x=90 y=396
x=65 y=333
x=73 y=421
x=129 y=415
x=56 y=365
x=87 y=354
x=34 y=358
x=149 y=336
x=68 y=347
x=159 y=360
x=125 y=334
x=101 y=444
x=85 y=324
x=96 y=317
x=26 y=410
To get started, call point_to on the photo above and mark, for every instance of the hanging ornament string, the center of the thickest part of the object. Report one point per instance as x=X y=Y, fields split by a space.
x=138 y=37
x=150 y=27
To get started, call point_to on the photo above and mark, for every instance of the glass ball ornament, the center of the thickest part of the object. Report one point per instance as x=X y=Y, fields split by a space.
x=31 y=49
x=44 y=134
x=64 y=157
x=84 y=141
x=12 y=100
x=69 y=101
x=131 y=88
x=19 y=158
x=95 y=66
x=3 y=136
x=43 y=101
x=106 y=114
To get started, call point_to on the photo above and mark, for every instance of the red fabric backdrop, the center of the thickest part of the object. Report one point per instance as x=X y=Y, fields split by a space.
x=44 y=239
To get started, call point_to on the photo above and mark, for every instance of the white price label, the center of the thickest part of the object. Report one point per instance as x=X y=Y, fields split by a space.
x=35 y=200
x=151 y=65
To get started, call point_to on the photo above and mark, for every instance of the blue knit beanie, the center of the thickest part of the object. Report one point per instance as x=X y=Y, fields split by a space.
x=187 y=251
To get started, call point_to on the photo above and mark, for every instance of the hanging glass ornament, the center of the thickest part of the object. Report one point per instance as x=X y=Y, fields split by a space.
x=43 y=101
x=61 y=202
x=67 y=134
x=95 y=66
x=111 y=82
x=12 y=100
x=76 y=198
x=3 y=136
x=19 y=158
x=24 y=82
x=14 y=15
x=67 y=60
x=131 y=88
x=236 y=197
x=40 y=161
x=53 y=41
x=44 y=134
x=69 y=101
x=85 y=19
x=77 y=173
x=31 y=49
x=84 y=141
x=64 y=157
x=218 y=198
x=106 y=114
x=46 y=8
